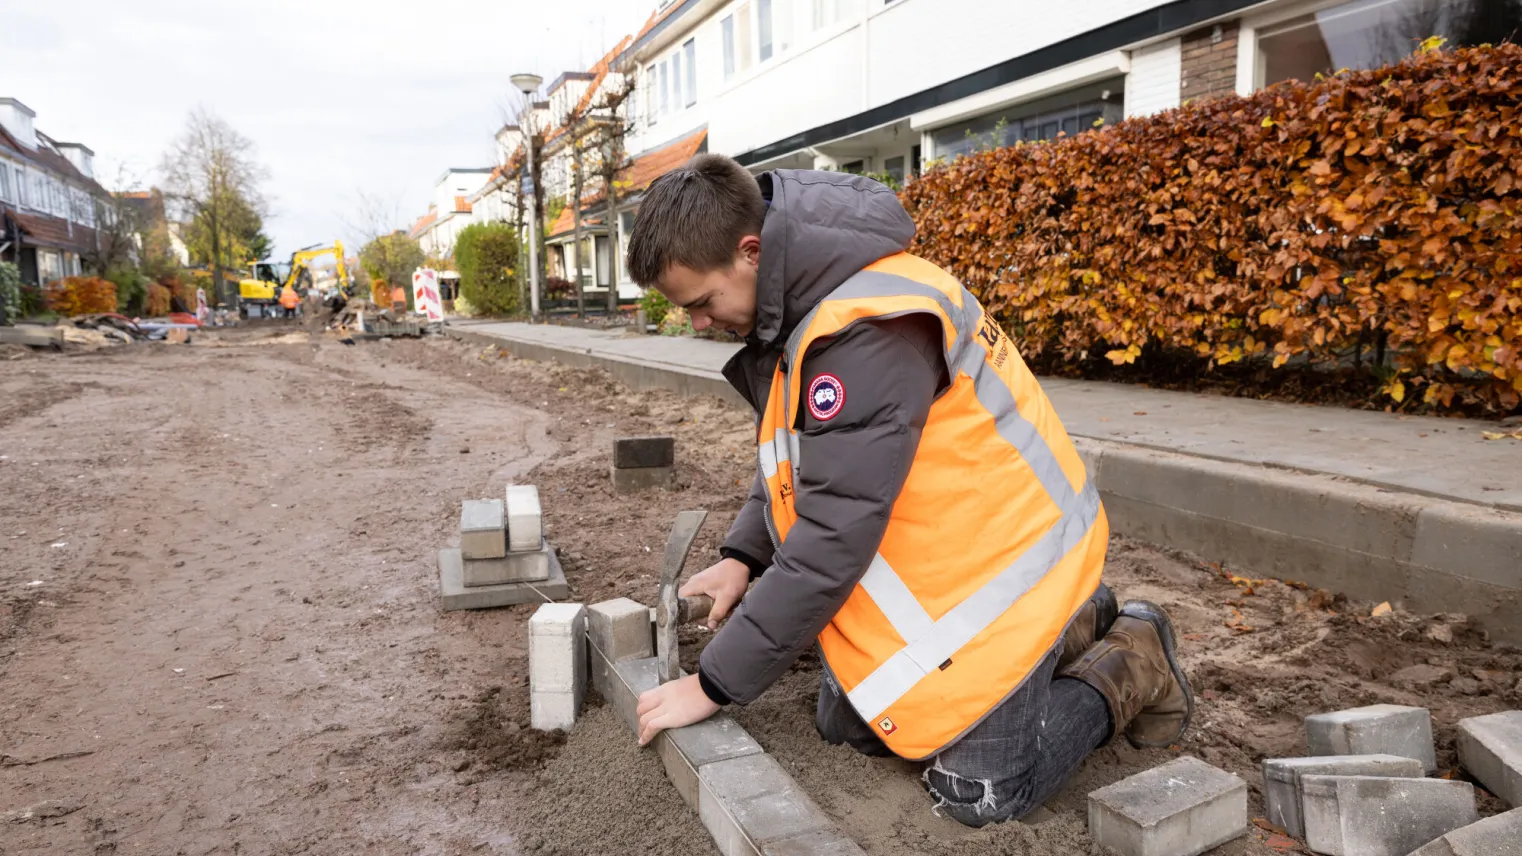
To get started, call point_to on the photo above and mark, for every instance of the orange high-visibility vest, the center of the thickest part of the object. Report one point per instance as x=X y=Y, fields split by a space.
x=288 y=297
x=994 y=542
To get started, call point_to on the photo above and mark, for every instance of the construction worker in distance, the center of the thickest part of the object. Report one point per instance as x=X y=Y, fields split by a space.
x=919 y=512
x=289 y=300
x=398 y=299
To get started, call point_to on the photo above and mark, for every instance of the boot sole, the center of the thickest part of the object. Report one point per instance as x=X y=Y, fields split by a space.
x=1154 y=615
x=1106 y=611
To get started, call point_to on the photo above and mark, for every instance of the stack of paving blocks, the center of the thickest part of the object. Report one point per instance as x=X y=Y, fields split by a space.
x=503 y=557
x=1363 y=792
x=643 y=462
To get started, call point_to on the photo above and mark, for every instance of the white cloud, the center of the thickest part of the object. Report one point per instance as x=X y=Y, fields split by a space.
x=337 y=95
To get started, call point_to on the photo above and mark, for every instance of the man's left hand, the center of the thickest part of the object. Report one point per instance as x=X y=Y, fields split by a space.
x=672 y=705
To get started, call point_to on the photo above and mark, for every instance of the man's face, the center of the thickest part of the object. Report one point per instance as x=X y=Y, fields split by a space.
x=723 y=298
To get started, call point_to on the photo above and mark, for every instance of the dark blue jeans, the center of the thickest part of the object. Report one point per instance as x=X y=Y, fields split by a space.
x=1008 y=764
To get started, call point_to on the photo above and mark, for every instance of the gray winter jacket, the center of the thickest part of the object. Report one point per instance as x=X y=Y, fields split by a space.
x=821 y=228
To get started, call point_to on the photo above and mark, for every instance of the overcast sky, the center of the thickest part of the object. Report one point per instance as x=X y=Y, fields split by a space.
x=337 y=95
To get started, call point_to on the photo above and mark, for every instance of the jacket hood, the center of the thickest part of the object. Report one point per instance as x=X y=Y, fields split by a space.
x=820 y=229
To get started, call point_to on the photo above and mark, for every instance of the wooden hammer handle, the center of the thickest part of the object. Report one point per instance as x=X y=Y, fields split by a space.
x=693 y=608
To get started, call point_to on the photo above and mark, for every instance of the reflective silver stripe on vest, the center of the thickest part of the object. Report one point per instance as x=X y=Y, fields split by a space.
x=778 y=449
x=900 y=672
x=903 y=610
x=931 y=643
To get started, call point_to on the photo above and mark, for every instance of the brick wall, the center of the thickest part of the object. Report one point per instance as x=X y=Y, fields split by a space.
x=1209 y=62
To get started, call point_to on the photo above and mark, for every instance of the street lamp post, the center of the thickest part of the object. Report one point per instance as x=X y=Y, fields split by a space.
x=528 y=84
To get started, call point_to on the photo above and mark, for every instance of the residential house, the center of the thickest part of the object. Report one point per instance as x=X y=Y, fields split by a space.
x=886 y=86
x=49 y=199
x=450 y=210
x=148 y=211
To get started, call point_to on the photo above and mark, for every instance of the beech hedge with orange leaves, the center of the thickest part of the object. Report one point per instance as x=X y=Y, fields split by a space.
x=81 y=295
x=1370 y=220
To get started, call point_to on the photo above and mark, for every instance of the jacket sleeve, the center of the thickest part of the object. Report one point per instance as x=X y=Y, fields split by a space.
x=748 y=539
x=853 y=463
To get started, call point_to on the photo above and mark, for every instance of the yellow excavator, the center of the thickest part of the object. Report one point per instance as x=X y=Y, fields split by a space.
x=262 y=289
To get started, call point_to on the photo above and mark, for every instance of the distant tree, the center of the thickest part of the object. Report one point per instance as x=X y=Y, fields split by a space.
x=392 y=258
x=211 y=176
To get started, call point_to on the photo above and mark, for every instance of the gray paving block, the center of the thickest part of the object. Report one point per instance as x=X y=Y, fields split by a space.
x=633 y=678
x=1181 y=808
x=749 y=802
x=620 y=630
x=828 y=842
x=525 y=518
x=528 y=567
x=641 y=452
x=643 y=478
x=1490 y=748
x=454 y=594
x=483 y=529
x=1379 y=729
x=685 y=751
x=1281 y=781
x=1379 y=816
x=1494 y=836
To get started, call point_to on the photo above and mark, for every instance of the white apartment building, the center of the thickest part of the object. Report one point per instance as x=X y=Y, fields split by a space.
x=886 y=86
x=450 y=210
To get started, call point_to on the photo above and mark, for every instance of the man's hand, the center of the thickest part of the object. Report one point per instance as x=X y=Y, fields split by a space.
x=725 y=583
x=672 y=705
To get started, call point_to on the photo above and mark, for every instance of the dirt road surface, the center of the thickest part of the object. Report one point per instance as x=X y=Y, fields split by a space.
x=219 y=631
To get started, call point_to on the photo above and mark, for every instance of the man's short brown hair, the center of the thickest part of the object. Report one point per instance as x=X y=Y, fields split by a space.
x=695 y=216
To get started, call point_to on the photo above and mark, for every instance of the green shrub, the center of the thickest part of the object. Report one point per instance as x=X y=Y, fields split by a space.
x=655 y=305
x=486 y=255
x=131 y=289
x=10 y=292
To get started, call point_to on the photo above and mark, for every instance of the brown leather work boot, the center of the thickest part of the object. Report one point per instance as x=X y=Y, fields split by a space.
x=1087 y=627
x=1135 y=667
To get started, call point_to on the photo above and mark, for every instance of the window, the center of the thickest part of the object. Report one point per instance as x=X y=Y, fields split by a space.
x=894 y=167
x=676 y=81
x=665 y=96
x=916 y=157
x=727 y=31
x=690 y=55
x=764 y=29
x=1069 y=113
x=857 y=167
x=1371 y=33
x=49 y=266
x=5 y=183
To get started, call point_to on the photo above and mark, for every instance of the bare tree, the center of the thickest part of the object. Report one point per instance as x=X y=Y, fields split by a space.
x=209 y=172
x=617 y=124
x=119 y=224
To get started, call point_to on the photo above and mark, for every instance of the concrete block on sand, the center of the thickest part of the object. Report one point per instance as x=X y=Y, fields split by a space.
x=455 y=594
x=528 y=567
x=643 y=478
x=1379 y=729
x=618 y=629
x=483 y=532
x=1490 y=748
x=1281 y=781
x=750 y=802
x=34 y=335
x=525 y=518
x=631 y=453
x=1494 y=836
x=1181 y=808
x=557 y=656
x=1379 y=816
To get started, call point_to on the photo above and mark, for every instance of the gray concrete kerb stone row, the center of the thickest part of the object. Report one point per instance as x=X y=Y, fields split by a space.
x=1182 y=808
x=1490 y=748
x=744 y=798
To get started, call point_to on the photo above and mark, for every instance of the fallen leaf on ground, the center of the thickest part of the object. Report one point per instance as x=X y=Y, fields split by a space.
x=1501 y=435
x=1382 y=609
x=1263 y=823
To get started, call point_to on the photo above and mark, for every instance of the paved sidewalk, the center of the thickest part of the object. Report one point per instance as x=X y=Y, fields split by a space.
x=1445 y=458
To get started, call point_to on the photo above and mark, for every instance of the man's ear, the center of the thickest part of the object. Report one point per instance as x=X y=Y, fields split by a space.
x=750 y=249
